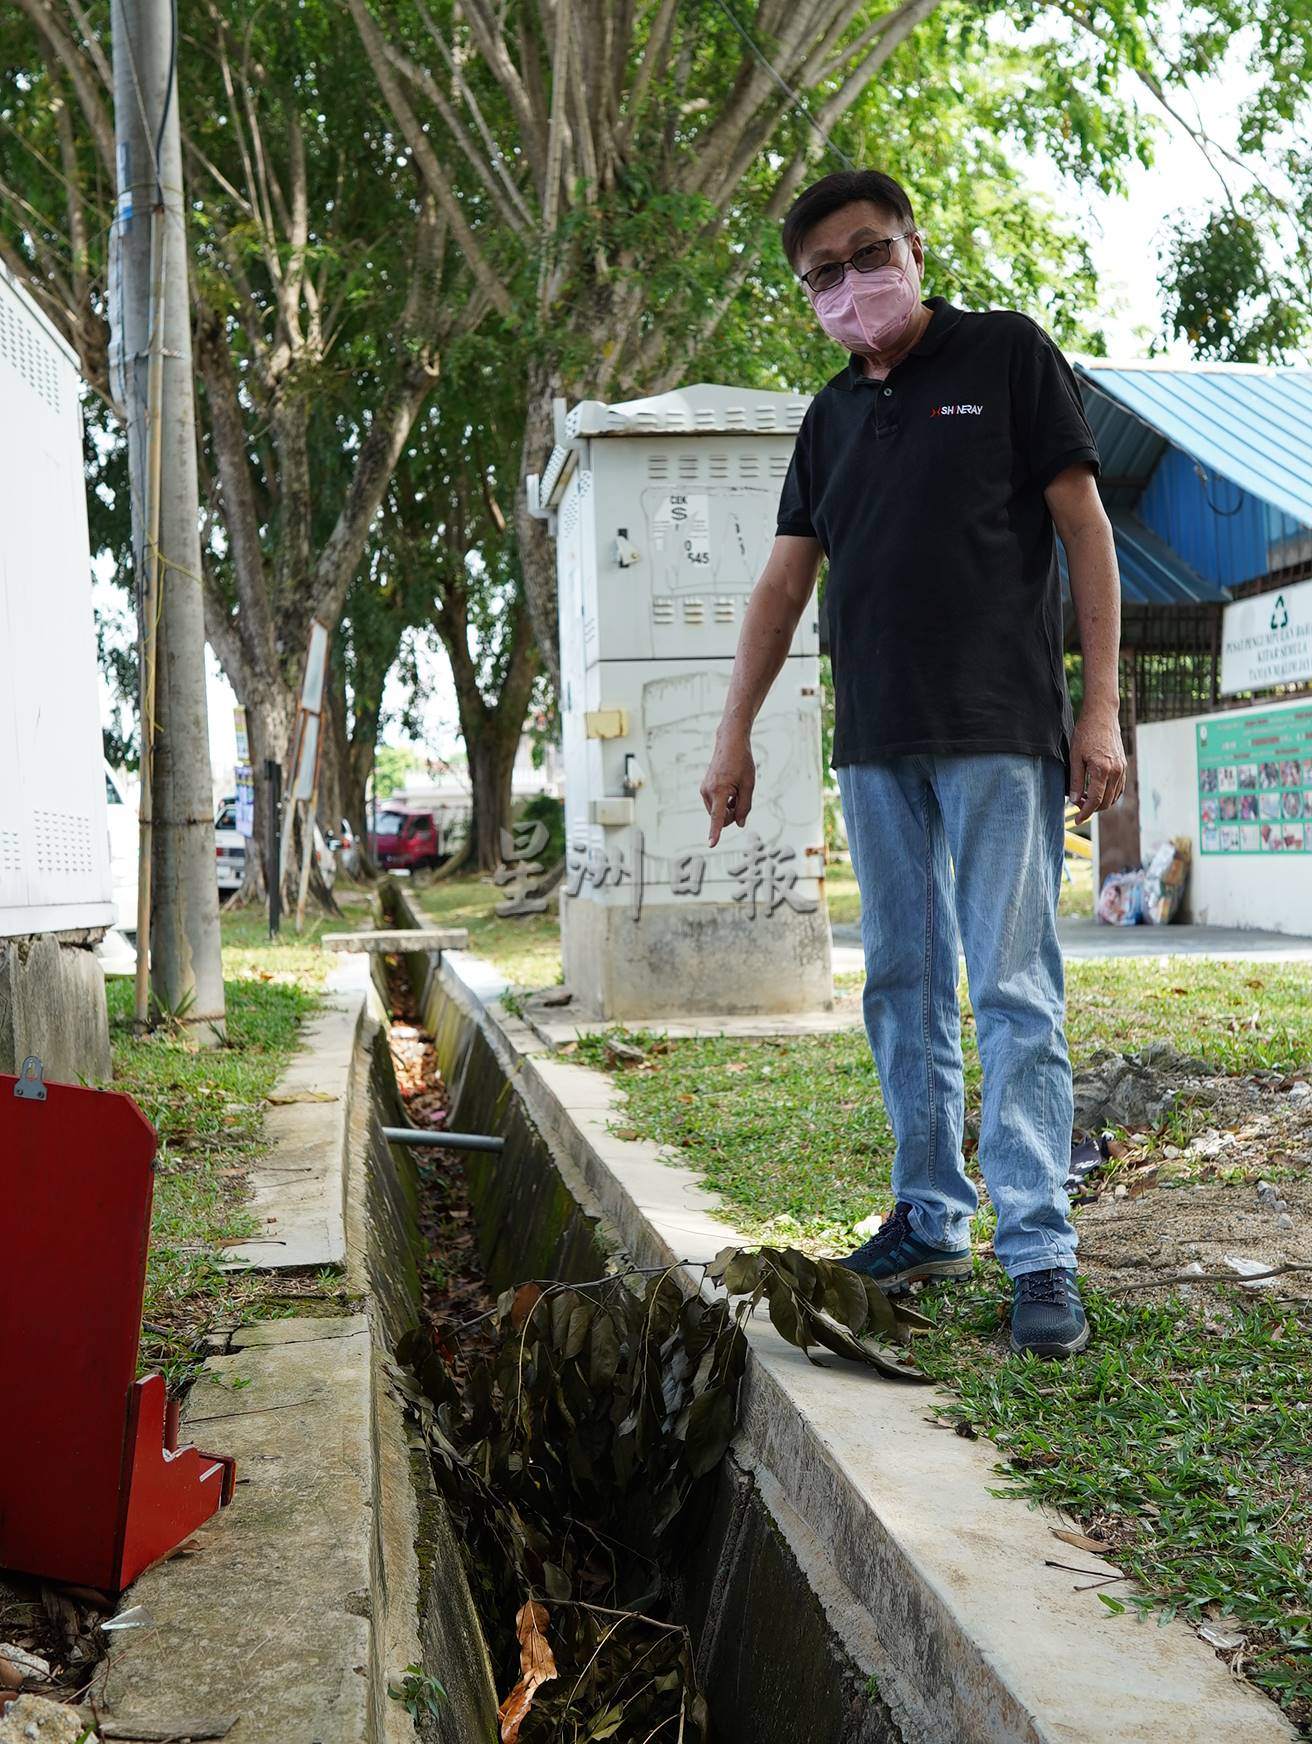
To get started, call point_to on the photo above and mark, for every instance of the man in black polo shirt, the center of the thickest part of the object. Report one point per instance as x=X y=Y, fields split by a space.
x=931 y=473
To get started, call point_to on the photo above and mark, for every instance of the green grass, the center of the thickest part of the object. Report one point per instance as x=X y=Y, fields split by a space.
x=525 y=949
x=292 y=957
x=1183 y=1440
x=796 y=1129
x=207 y=1108
x=1184 y=1445
x=841 y=893
x=1077 y=890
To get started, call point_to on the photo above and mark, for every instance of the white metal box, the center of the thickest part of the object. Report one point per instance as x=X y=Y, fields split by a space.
x=54 y=846
x=664 y=511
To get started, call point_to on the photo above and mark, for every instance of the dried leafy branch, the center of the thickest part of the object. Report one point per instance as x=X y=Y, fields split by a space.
x=576 y=1461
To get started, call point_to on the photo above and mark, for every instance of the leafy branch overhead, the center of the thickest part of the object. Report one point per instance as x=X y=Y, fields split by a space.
x=576 y=1458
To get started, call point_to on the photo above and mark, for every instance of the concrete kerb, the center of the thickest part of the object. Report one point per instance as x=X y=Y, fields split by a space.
x=971 y=1636
x=298 y=1189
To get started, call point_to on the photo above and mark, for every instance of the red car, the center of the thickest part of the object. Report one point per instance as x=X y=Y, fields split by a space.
x=406 y=838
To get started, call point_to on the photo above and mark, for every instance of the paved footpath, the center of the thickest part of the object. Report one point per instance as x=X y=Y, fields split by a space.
x=1083 y=939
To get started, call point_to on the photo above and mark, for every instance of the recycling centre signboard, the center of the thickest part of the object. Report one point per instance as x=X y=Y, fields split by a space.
x=1267 y=640
x=1255 y=783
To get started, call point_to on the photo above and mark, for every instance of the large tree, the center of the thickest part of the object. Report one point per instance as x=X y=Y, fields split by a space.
x=325 y=285
x=632 y=162
x=450 y=543
x=1237 y=277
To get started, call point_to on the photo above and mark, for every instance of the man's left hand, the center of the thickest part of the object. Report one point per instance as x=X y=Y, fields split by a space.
x=1097 y=761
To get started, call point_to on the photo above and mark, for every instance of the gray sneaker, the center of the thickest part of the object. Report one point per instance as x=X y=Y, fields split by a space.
x=1047 y=1316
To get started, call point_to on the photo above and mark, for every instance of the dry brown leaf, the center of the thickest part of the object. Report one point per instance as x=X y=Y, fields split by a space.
x=537 y=1665
x=526 y=1299
x=285 y=1098
x=736 y=1066
x=1080 y=1540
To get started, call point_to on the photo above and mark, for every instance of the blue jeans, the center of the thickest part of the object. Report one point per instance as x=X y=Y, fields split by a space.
x=997 y=819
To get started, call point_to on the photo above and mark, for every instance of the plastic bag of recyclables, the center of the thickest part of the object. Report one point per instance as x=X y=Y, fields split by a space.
x=1164 y=880
x=1120 y=901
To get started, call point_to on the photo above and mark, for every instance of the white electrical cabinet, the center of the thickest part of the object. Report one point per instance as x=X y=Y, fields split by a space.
x=54 y=843
x=664 y=512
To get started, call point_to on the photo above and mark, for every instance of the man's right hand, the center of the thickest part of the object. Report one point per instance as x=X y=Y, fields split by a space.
x=727 y=785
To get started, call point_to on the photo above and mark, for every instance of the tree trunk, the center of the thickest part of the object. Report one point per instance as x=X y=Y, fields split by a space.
x=270 y=713
x=537 y=549
x=491 y=754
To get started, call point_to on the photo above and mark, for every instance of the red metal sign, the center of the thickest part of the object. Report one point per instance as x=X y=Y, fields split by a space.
x=92 y=1489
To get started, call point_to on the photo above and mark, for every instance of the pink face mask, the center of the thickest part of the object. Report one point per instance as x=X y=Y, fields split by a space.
x=869 y=311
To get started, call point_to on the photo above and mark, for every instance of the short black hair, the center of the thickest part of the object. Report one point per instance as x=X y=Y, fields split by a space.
x=843 y=188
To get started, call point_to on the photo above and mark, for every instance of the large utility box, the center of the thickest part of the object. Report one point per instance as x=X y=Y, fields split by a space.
x=55 y=885
x=663 y=511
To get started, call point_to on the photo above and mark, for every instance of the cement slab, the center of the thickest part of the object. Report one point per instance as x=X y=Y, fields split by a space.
x=297 y=1190
x=389 y=943
x=982 y=1642
x=1085 y=939
x=268 y=1619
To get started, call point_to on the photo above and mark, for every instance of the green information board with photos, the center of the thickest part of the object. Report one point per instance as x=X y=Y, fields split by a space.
x=1255 y=783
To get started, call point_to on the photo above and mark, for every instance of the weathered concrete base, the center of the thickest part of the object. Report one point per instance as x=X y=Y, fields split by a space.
x=684 y=957
x=297 y=1191
x=938 y=1589
x=269 y=1619
x=52 y=1004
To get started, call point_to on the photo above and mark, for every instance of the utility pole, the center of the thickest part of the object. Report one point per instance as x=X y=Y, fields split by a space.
x=178 y=905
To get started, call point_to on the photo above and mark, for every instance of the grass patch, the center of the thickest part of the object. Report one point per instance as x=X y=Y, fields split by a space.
x=291 y=958
x=207 y=1106
x=793 y=1132
x=1184 y=1443
x=841 y=893
x=1077 y=891
x=1185 y=1446
x=526 y=950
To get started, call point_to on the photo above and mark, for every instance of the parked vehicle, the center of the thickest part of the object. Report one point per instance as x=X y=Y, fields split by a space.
x=409 y=839
x=230 y=850
x=342 y=842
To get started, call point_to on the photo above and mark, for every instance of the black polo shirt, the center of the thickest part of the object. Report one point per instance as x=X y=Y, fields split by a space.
x=925 y=492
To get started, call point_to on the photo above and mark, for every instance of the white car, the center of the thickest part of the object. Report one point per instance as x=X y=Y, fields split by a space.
x=230 y=850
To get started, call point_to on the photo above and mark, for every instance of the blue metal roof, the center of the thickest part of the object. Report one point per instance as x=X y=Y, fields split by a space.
x=1248 y=423
x=1151 y=572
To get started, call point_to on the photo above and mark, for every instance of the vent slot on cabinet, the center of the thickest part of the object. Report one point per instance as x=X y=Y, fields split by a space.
x=63 y=843
x=9 y=858
x=688 y=467
x=749 y=466
x=718 y=465
x=779 y=465
x=25 y=353
x=694 y=611
x=662 y=609
x=724 y=609
x=658 y=466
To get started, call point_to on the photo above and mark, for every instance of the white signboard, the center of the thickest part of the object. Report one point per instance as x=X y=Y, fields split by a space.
x=1267 y=640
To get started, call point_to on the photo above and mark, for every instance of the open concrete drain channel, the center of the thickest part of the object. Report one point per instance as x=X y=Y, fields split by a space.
x=850 y=1578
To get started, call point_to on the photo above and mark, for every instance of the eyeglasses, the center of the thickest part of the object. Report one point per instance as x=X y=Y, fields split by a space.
x=867 y=259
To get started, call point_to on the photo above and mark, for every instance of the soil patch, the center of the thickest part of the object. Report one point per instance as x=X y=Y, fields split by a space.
x=1233 y=1199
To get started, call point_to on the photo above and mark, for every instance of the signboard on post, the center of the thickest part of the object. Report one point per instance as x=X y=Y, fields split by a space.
x=1267 y=640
